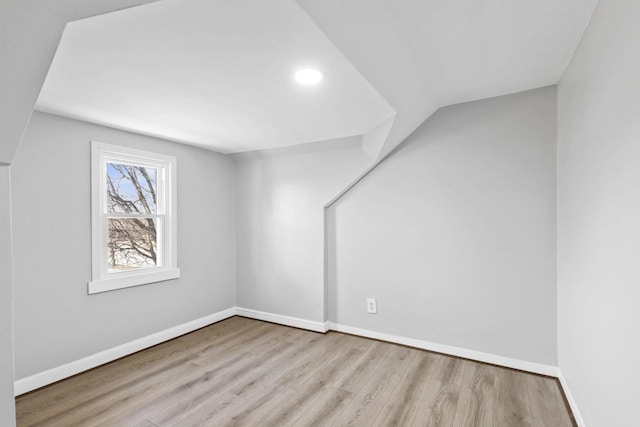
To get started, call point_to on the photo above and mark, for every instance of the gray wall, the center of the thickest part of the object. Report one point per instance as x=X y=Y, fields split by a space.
x=7 y=407
x=29 y=35
x=55 y=321
x=280 y=198
x=455 y=233
x=599 y=217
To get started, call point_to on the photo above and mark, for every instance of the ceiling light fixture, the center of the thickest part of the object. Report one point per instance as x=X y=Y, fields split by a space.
x=308 y=76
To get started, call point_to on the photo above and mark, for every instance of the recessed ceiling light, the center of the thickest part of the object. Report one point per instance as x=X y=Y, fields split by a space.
x=309 y=76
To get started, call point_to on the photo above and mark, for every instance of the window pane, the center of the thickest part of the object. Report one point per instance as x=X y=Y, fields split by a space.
x=131 y=189
x=132 y=244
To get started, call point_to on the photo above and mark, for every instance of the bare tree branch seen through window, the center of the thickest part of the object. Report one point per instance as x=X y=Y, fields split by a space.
x=132 y=240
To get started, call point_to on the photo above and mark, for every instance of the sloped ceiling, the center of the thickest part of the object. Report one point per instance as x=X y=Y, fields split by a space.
x=218 y=73
x=425 y=54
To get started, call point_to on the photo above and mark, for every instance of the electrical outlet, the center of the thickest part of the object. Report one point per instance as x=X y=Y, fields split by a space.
x=372 y=307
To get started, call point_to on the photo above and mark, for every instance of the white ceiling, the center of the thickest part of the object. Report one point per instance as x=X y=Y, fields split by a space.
x=425 y=54
x=217 y=73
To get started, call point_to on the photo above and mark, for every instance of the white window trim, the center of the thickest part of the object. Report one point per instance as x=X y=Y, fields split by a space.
x=101 y=279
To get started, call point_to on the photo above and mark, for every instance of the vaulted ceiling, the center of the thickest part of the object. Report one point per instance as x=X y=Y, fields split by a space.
x=219 y=74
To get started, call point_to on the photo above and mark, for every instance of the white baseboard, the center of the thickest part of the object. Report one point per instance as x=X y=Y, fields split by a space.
x=572 y=402
x=296 y=322
x=50 y=376
x=523 y=365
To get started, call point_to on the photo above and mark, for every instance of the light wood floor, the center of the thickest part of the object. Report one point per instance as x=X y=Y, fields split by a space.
x=250 y=373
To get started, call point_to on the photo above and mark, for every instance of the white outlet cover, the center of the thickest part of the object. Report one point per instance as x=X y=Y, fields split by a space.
x=372 y=307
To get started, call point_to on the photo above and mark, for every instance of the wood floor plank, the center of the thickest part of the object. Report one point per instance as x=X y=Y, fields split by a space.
x=547 y=404
x=304 y=368
x=326 y=408
x=402 y=411
x=277 y=367
x=264 y=402
x=193 y=389
x=450 y=370
x=144 y=423
x=356 y=376
x=75 y=404
x=512 y=407
x=186 y=395
x=243 y=342
x=259 y=362
x=477 y=396
x=377 y=390
x=215 y=407
x=244 y=372
x=313 y=386
x=154 y=397
x=110 y=404
x=438 y=401
x=97 y=382
x=438 y=405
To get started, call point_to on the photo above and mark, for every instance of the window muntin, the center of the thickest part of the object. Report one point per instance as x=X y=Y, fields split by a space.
x=134 y=218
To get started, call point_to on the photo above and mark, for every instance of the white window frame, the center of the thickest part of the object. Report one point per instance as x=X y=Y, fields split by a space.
x=101 y=279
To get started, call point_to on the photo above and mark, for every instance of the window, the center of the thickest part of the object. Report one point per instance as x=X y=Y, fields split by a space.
x=133 y=217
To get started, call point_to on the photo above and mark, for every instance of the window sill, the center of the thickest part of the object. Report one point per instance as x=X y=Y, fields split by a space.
x=105 y=285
